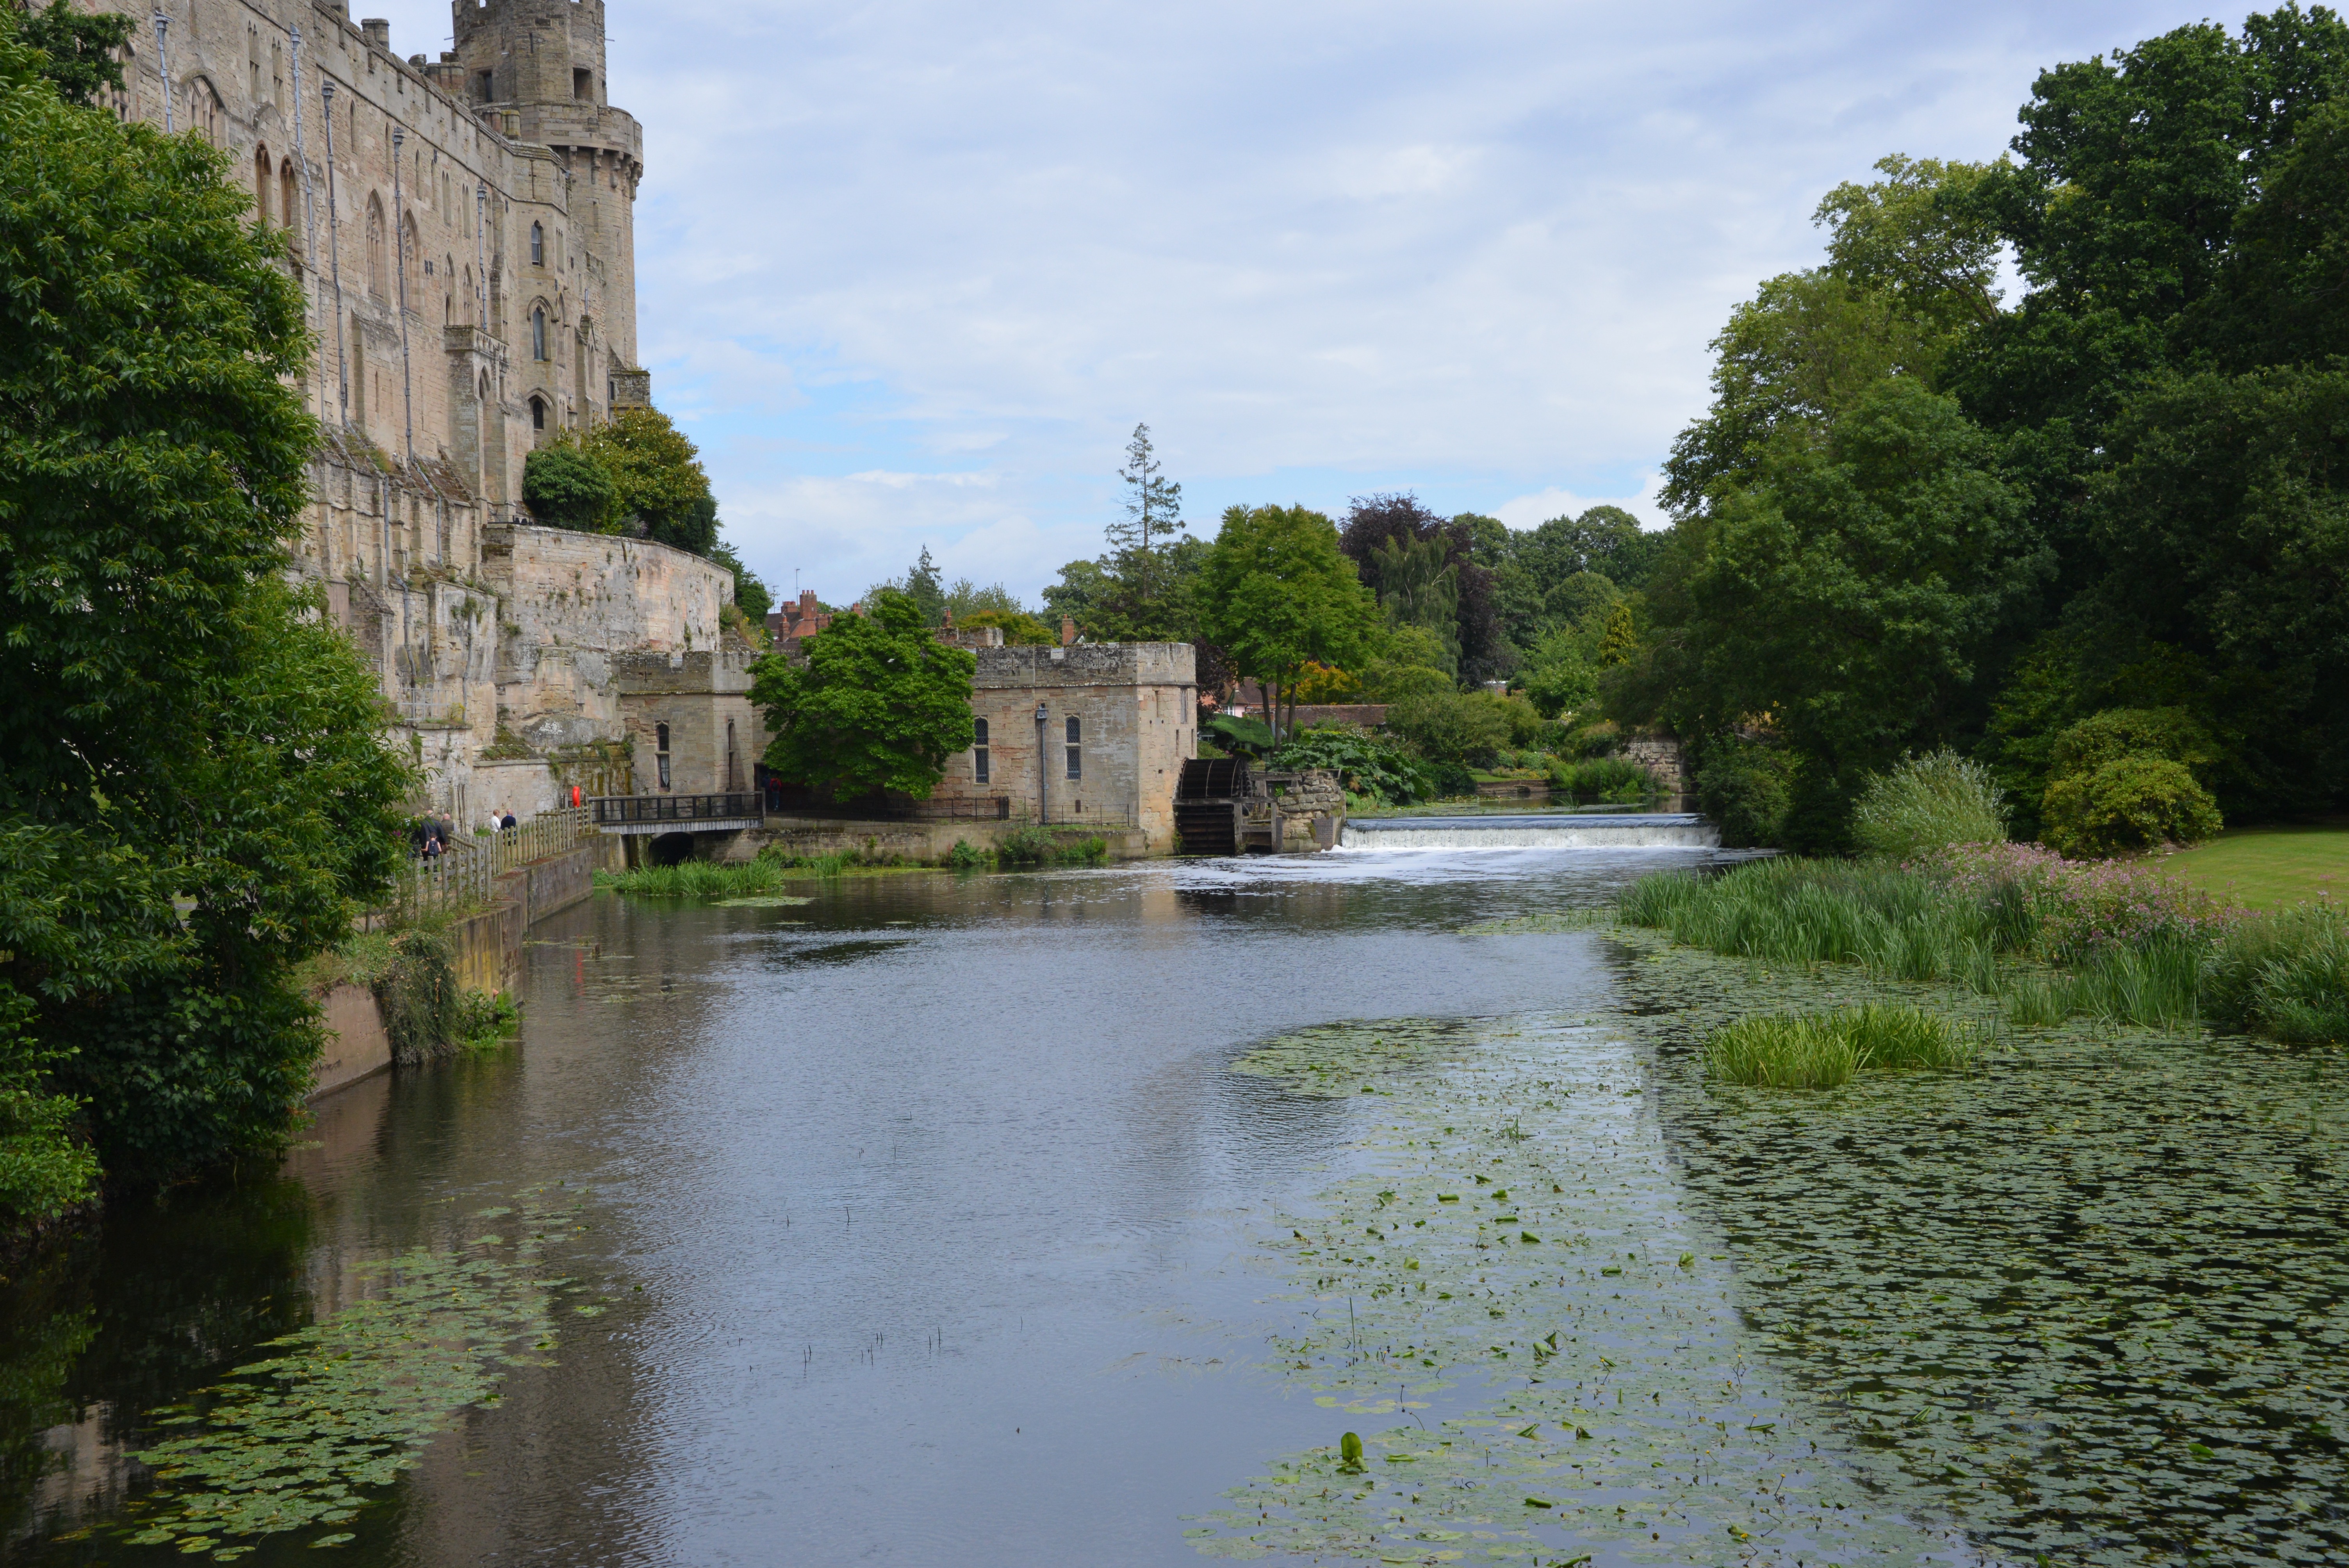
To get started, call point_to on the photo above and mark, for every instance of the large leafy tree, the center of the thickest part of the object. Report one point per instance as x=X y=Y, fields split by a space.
x=1376 y=523
x=1852 y=596
x=1276 y=593
x=877 y=704
x=659 y=476
x=194 y=788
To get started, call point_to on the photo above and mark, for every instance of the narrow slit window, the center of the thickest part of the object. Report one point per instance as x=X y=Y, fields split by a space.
x=1076 y=749
x=660 y=752
x=538 y=244
x=979 y=750
x=538 y=333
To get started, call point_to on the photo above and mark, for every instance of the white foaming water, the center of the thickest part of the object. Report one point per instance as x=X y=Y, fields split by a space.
x=1654 y=832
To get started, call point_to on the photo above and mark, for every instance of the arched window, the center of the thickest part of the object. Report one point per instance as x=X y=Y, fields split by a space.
x=538 y=333
x=289 y=201
x=660 y=752
x=407 y=254
x=261 y=184
x=537 y=245
x=204 y=109
x=538 y=413
x=978 y=751
x=378 y=256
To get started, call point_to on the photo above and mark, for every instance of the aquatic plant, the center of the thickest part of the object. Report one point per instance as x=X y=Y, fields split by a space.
x=2077 y=908
x=700 y=878
x=1042 y=847
x=2286 y=975
x=303 y=1437
x=1827 y=912
x=1825 y=1050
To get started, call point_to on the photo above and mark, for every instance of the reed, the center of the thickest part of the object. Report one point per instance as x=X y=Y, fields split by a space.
x=700 y=879
x=1827 y=1050
x=2284 y=974
x=1895 y=923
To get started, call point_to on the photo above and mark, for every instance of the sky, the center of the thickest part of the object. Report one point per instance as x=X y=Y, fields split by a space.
x=911 y=273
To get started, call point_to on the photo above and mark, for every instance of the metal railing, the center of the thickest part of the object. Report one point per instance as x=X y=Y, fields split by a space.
x=626 y=810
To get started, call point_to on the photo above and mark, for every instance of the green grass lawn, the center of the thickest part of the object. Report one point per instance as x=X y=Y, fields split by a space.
x=2268 y=868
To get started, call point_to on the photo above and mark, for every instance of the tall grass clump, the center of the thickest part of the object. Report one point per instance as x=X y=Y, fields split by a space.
x=1927 y=803
x=2154 y=985
x=2284 y=974
x=698 y=879
x=1827 y=1050
x=1042 y=847
x=1823 y=911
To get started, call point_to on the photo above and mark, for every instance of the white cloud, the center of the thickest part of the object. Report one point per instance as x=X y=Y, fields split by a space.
x=1477 y=248
x=1532 y=511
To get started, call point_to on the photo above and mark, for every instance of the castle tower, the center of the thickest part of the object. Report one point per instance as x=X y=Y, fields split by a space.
x=535 y=68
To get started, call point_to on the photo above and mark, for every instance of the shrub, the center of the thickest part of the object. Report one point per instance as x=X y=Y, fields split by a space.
x=418 y=997
x=2119 y=732
x=2069 y=911
x=484 y=1018
x=1613 y=780
x=1452 y=781
x=1044 y=846
x=2132 y=802
x=1926 y=803
x=1561 y=685
x=1452 y=727
x=965 y=856
x=565 y=488
x=1366 y=764
x=1386 y=681
x=1824 y=1050
x=1746 y=789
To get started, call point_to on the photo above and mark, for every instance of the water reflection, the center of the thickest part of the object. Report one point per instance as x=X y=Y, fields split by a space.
x=919 y=1202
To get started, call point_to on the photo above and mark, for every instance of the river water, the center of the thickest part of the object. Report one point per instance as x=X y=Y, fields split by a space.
x=971 y=1220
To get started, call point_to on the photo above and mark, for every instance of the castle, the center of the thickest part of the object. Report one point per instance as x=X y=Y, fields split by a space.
x=463 y=231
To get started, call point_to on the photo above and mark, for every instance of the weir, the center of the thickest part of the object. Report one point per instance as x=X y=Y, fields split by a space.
x=1520 y=830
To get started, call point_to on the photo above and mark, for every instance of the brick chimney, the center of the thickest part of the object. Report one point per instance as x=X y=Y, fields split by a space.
x=1067 y=631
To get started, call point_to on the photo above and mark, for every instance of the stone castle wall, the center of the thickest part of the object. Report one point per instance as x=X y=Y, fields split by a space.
x=463 y=231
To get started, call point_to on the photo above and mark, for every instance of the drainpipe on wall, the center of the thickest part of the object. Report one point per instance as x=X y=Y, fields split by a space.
x=1043 y=772
x=163 y=65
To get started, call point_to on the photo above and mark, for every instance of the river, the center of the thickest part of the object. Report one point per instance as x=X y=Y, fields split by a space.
x=972 y=1221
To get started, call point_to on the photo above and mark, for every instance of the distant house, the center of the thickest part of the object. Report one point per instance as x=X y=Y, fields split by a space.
x=1110 y=723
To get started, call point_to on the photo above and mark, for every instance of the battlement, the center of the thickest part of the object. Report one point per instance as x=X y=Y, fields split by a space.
x=530 y=51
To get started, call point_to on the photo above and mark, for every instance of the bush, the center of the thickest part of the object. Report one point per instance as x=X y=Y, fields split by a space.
x=1365 y=764
x=2132 y=802
x=1927 y=803
x=1746 y=789
x=1824 y=1051
x=2119 y=732
x=418 y=997
x=565 y=488
x=2068 y=912
x=485 y=1019
x=1614 y=780
x=1044 y=846
x=965 y=856
x=1452 y=727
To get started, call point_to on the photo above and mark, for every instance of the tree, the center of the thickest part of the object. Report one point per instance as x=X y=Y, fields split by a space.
x=1853 y=596
x=1154 y=503
x=1276 y=593
x=181 y=725
x=878 y=704
x=1020 y=628
x=750 y=593
x=1373 y=520
x=80 y=51
x=565 y=488
x=657 y=476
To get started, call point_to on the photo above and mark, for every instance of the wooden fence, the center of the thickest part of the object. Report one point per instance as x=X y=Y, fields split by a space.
x=464 y=875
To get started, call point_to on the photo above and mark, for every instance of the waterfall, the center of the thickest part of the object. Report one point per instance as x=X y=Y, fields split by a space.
x=1522 y=831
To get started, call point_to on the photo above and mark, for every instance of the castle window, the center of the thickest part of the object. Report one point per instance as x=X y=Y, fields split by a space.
x=582 y=83
x=379 y=255
x=486 y=83
x=261 y=185
x=538 y=249
x=289 y=203
x=538 y=413
x=660 y=752
x=538 y=333
x=1076 y=753
x=979 y=750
